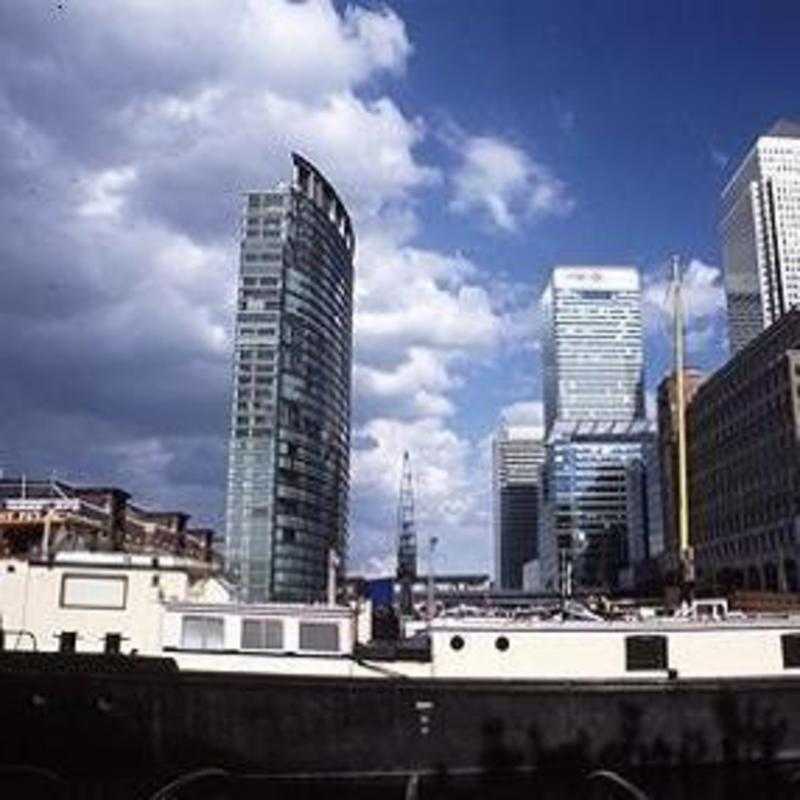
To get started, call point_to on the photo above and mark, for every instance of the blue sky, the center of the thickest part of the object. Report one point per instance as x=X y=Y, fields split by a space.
x=476 y=144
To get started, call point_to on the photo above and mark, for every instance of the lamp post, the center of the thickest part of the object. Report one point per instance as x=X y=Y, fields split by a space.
x=431 y=607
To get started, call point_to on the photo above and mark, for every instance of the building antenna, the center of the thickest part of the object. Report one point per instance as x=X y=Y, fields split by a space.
x=406 y=537
x=686 y=555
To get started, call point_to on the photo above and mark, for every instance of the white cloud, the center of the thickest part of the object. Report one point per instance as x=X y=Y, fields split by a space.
x=703 y=295
x=525 y=413
x=369 y=143
x=105 y=192
x=171 y=122
x=704 y=310
x=420 y=319
x=501 y=181
x=451 y=492
x=300 y=46
x=416 y=387
x=301 y=49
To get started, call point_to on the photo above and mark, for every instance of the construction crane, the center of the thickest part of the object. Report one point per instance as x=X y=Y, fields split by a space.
x=406 y=538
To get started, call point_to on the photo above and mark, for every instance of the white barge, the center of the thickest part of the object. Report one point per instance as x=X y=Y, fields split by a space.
x=151 y=660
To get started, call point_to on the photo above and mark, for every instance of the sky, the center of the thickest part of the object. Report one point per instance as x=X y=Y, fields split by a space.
x=476 y=146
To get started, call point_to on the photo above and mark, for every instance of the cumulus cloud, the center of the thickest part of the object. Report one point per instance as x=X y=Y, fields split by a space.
x=451 y=492
x=134 y=142
x=416 y=387
x=503 y=183
x=126 y=141
x=703 y=292
x=704 y=308
x=524 y=414
x=424 y=298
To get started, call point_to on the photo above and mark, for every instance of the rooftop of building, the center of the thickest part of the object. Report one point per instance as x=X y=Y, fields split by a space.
x=784 y=129
x=103 y=516
x=688 y=372
x=310 y=181
x=516 y=433
x=619 y=277
x=303 y=168
x=776 y=335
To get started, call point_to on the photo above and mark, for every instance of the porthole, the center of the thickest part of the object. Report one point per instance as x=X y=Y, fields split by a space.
x=457 y=643
x=501 y=643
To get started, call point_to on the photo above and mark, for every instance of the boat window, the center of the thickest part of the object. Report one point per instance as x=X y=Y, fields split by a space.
x=790 y=645
x=203 y=633
x=262 y=634
x=501 y=643
x=67 y=641
x=645 y=652
x=97 y=592
x=457 y=643
x=319 y=636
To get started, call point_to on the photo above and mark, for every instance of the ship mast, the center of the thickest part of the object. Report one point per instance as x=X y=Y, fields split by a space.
x=685 y=558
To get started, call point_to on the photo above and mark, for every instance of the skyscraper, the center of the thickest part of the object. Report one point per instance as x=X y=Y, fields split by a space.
x=518 y=454
x=594 y=415
x=592 y=345
x=586 y=499
x=760 y=230
x=290 y=415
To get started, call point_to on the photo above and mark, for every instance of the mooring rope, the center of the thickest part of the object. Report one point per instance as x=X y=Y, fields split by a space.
x=164 y=793
x=606 y=774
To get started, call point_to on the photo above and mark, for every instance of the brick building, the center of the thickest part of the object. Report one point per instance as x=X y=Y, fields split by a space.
x=743 y=429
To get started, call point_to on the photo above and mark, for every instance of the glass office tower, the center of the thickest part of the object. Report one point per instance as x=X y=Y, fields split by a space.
x=592 y=345
x=288 y=471
x=594 y=417
x=588 y=500
x=760 y=231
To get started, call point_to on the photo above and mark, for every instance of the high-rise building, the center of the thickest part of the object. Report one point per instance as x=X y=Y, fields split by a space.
x=760 y=230
x=586 y=500
x=644 y=520
x=594 y=416
x=592 y=345
x=288 y=470
x=518 y=455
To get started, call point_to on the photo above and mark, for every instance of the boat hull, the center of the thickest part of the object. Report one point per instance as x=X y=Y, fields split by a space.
x=159 y=722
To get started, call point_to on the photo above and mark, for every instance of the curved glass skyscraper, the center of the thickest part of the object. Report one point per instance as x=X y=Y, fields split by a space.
x=288 y=472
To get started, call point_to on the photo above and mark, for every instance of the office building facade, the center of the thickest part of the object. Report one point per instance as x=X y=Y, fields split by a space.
x=587 y=503
x=743 y=431
x=594 y=416
x=592 y=345
x=760 y=232
x=644 y=520
x=518 y=454
x=288 y=473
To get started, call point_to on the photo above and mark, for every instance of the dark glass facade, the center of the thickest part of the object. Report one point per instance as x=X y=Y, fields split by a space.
x=518 y=454
x=519 y=520
x=288 y=472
